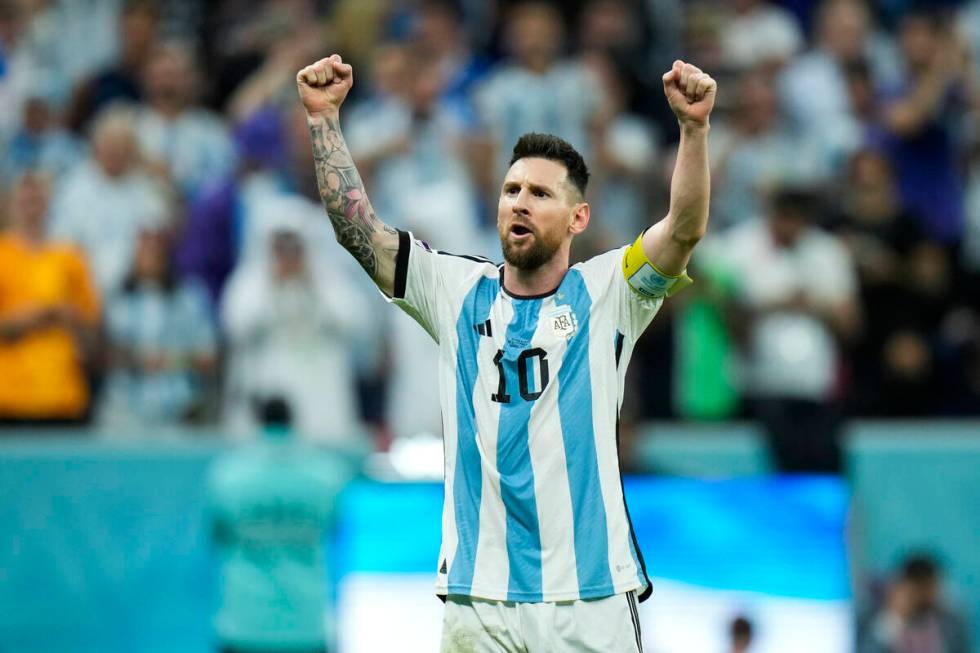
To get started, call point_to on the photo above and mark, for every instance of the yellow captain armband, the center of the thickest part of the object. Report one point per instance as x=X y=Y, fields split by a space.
x=644 y=277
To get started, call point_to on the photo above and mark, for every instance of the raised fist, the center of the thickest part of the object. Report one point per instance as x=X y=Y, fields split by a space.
x=323 y=85
x=690 y=93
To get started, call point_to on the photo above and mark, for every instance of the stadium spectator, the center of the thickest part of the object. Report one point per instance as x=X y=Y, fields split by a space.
x=292 y=322
x=39 y=144
x=120 y=80
x=162 y=344
x=49 y=314
x=916 y=615
x=814 y=86
x=188 y=143
x=61 y=42
x=271 y=509
x=218 y=221
x=105 y=199
x=921 y=121
x=760 y=33
x=756 y=150
x=898 y=362
x=439 y=34
x=797 y=288
x=536 y=89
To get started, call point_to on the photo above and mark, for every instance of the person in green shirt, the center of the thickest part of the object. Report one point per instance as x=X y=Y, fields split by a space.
x=271 y=509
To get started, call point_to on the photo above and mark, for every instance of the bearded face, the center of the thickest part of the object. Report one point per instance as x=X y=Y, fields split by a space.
x=527 y=249
x=534 y=212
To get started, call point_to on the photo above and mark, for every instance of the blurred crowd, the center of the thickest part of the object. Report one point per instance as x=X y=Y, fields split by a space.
x=164 y=258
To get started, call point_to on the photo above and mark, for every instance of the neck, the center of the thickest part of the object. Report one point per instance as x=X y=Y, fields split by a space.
x=539 y=281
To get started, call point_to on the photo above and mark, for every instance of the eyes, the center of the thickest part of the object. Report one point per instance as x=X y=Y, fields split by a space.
x=514 y=190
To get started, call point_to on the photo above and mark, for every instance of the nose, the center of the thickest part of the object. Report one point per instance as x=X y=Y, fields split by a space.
x=520 y=203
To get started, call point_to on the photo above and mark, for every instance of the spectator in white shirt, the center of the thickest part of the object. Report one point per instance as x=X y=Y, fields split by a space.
x=797 y=287
x=107 y=198
x=189 y=143
x=292 y=323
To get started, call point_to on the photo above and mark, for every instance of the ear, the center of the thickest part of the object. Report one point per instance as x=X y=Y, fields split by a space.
x=579 y=218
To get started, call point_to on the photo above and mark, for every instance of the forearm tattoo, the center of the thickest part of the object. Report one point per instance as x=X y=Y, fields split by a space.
x=343 y=196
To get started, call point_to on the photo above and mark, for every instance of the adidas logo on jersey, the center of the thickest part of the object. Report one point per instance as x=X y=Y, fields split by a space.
x=484 y=328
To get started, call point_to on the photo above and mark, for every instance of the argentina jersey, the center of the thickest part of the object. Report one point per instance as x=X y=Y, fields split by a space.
x=530 y=389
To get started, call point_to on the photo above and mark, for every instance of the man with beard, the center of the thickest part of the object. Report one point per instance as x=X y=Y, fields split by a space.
x=538 y=552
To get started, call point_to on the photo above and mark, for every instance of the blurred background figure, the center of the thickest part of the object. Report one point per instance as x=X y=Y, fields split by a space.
x=798 y=293
x=760 y=33
x=536 y=88
x=896 y=358
x=271 y=508
x=221 y=218
x=163 y=347
x=755 y=150
x=107 y=198
x=49 y=316
x=39 y=144
x=922 y=120
x=292 y=322
x=740 y=632
x=120 y=79
x=187 y=143
x=916 y=615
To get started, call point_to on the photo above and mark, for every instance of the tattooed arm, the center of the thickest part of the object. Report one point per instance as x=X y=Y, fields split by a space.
x=322 y=88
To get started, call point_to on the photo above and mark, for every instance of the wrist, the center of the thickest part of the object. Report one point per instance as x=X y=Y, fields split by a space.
x=694 y=128
x=323 y=117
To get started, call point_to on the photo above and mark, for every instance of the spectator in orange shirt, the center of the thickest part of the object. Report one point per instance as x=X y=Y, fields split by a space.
x=49 y=313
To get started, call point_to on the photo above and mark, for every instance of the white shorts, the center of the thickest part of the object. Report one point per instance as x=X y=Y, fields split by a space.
x=606 y=625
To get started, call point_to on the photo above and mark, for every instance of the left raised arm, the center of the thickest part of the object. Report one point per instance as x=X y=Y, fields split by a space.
x=669 y=243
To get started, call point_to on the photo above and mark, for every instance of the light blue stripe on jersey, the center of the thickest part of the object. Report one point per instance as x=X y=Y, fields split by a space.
x=575 y=411
x=468 y=477
x=514 y=464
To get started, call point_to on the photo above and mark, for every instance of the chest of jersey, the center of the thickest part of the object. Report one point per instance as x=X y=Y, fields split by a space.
x=525 y=344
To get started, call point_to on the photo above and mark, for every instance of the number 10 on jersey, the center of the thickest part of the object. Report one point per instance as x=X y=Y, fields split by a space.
x=525 y=372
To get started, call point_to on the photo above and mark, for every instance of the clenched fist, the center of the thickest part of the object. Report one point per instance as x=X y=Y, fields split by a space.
x=690 y=93
x=323 y=85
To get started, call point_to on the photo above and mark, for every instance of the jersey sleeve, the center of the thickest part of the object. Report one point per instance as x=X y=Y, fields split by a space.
x=430 y=285
x=605 y=275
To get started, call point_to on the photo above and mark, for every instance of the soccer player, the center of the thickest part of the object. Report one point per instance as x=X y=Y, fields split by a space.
x=538 y=553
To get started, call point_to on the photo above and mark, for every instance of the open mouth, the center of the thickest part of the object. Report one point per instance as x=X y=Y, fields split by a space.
x=519 y=230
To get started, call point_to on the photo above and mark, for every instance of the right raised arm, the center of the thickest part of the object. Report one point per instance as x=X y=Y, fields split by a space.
x=322 y=88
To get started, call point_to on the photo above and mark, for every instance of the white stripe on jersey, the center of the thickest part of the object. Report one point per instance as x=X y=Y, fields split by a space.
x=558 y=566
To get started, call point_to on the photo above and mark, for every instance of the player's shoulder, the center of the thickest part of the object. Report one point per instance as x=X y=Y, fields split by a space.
x=599 y=273
x=602 y=263
x=450 y=257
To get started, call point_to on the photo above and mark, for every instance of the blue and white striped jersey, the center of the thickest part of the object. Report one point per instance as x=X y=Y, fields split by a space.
x=531 y=389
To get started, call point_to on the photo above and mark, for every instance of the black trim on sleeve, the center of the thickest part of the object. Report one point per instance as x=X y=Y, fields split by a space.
x=401 y=264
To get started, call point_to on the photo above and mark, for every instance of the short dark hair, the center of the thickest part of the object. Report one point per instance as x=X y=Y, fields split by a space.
x=920 y=567
x=802 y=202
x=741 y=629
x=553 y=148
